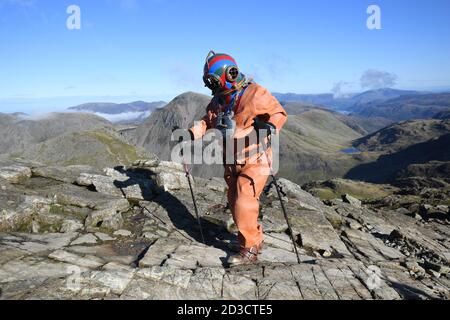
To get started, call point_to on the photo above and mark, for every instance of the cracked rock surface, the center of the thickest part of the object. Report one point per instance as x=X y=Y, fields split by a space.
x=130 y=233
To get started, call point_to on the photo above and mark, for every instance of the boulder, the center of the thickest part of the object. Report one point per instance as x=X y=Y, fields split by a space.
x=147 y=163
x=123 y=233
x=102 y=184
x=110 y=217
x=67 y=174
x=15 y=174
x=172 y=180
x=119 y=183
x=351 y=200
x=17 y=213
x=294 y=191
x=70 y=225
x=88 y=238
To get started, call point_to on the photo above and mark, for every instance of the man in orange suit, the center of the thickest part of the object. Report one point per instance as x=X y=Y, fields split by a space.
x=238 y=109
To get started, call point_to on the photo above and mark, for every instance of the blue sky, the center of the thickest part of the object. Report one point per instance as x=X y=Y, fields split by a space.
x=155 y=49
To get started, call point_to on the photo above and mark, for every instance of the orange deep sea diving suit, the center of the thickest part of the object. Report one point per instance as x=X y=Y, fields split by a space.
x=247 y=177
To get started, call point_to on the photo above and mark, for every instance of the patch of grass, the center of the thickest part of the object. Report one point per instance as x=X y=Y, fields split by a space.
x=123 y=152
x=337 y=187
x=63 y=211
x=23 y=226
x=324 y=194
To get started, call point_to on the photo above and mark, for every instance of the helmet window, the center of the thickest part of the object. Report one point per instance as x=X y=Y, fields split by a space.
x=212 y=82
x=232 y=74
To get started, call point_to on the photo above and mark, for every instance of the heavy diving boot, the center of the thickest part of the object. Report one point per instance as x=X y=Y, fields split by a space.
x=245 y=256
x=236 y=247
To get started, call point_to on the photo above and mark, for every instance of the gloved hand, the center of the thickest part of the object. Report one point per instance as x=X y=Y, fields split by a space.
x=266 y=126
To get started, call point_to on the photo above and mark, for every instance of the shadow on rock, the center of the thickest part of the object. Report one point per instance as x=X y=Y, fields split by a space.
x=180 y=216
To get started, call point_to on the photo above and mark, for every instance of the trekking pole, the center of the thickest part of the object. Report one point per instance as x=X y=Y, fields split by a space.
x=277 y=186
x=188 y=176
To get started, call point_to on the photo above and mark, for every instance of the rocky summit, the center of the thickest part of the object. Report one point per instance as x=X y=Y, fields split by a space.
x=129 y=232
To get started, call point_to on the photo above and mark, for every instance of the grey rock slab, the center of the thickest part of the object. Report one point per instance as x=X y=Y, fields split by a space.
x=169 y=166
x=17 y=211
x=133 y=186
x=158 y=252
x=171 y=275
x=102 y=184
x=294 y=191
x=279 y=240
x=15 y=174
x=207 y=283
x=306 y=280
x=90 y=262
x=71 y=225
x=68 y=174
x=72 y=195
x=156 y=214
x=191 y=256
x=36 y=243
x=114 y=276
x=277 y=272
x=29 y=268
x=123 y=233
x=341 y=284
x=145 y=289
x=172 y=180
x=283 y=290
x=110 y=217
x=372 y=248
x=20 y=289
x=88 y=238
x=238 y=288
x=360 y=289
x=373 y=279
x=316 y=232
x=270 y=255
x=324 y=285
x=351 y=200
x=8 y=253
x=422 y=236
x=407 y=287
x=104 y=237
x=106 y=251
x=138 y=289
x=147 y=163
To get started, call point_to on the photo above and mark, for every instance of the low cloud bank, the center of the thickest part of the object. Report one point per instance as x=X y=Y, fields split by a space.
x=124 y=116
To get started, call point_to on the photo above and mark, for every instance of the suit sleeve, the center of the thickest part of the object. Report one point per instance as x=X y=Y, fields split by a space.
x=268 y=109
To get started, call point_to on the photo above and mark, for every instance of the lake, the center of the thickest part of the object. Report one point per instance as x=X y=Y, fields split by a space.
x=350 y=150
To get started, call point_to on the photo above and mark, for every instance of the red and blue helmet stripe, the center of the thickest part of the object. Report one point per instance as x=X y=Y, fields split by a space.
x=217 y=65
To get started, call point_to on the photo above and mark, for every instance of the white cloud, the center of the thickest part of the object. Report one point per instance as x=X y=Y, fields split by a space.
x=376 y=79
x=125 y=116
x=342 y=89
